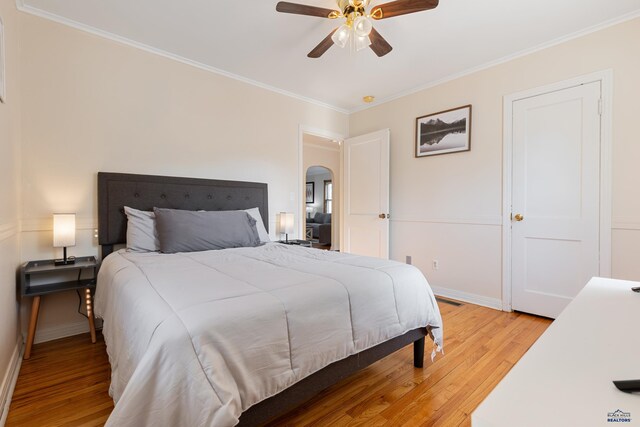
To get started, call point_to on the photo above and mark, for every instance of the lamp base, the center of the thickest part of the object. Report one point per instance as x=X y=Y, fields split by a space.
x=66 y=261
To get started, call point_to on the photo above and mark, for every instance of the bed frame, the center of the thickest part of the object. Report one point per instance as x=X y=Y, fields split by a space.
x=144 y=192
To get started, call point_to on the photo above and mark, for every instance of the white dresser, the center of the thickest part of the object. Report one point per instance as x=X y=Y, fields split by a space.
x=565 y=379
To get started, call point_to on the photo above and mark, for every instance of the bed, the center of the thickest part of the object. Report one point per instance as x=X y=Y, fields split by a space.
x=240 y=336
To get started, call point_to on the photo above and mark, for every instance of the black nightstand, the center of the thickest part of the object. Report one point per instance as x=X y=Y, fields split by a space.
x=47 y=268
x=296 y=242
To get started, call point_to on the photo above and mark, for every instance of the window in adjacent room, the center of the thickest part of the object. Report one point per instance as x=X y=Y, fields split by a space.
x=328 y=196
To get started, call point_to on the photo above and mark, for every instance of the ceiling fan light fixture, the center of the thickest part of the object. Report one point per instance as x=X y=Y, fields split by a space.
x=362 y=42
x=358 y=3
x=357 y=29
x=376 y=13
x=341 y=36
x=362 y=26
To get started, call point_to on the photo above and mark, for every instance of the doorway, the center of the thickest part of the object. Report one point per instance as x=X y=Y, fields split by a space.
x=320 y=215
x=557 y=194
x=321 y=191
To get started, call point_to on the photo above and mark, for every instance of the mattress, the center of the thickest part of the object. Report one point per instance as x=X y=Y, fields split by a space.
x=197 y=338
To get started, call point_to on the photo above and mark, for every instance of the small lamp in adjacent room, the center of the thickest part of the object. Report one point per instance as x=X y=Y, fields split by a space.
x=309 y=212
x=64 y=235
x=285 y=224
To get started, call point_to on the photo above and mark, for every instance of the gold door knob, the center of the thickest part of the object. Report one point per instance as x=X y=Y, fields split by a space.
x=518 y=217
x=382 y=216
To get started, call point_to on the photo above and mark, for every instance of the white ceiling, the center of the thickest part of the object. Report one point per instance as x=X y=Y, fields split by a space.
x=250 y=40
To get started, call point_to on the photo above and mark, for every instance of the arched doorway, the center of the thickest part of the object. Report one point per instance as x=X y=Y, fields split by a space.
x=320 y=207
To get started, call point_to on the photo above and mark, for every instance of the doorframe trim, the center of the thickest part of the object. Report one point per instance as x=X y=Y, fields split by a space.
x=605 y=77
x=322 y=133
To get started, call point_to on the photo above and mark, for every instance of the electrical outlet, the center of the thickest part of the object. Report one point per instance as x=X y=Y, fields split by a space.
x=435 y=264
x=409 y=259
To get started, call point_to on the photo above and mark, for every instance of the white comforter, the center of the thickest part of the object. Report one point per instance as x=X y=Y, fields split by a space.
x=196 y=338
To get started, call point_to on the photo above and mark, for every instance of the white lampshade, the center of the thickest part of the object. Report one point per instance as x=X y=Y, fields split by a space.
x=64 y=230
x=285 y=222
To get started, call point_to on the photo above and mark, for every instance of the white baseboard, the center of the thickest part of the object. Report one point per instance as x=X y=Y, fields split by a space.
x=62 y=331
x=9 y=381
x=494 y=303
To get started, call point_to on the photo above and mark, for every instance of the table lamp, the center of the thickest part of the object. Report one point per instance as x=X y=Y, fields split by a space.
x=64 y=235
x=285 y=224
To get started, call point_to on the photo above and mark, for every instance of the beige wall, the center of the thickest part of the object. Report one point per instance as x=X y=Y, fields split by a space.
x=323 y=152
x=90 y=104
x=9 y=204
x=96 y=105
x=449 y=207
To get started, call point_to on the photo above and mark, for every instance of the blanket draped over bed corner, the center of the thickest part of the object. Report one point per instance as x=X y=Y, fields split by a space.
x=196 y=338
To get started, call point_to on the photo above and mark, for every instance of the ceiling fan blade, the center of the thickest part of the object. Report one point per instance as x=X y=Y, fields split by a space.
x=303 y=9
x=401 y=7
x=322 y=47
x=378 y=44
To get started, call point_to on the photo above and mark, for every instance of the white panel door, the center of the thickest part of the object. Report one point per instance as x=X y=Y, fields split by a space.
x=555 y=197
x=366 y=195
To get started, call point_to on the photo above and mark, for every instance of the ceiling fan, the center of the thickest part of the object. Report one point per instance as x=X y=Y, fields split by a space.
x=357 y=28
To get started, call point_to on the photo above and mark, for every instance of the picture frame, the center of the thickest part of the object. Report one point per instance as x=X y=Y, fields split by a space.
x=310 y=192
x=444 y=132
x=3 y=93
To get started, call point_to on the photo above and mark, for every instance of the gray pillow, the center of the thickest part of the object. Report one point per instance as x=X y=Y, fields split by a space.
x=262 y=231
x=189 y=231
x=141 y=231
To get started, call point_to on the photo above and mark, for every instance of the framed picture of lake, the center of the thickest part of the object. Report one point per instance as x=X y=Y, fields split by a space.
x=444 y=132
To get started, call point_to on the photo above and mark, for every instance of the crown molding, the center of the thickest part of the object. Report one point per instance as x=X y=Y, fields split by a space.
x=22 y=7
x=504 y=59
x=123 y=40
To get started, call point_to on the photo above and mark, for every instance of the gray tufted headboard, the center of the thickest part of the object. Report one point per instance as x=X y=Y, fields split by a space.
x=144 y=192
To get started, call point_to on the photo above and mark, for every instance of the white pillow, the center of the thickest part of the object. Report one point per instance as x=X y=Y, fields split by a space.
x=142 y=235
x=262 y=231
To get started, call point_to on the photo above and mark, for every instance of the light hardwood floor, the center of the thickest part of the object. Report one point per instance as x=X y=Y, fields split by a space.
x=65 y=382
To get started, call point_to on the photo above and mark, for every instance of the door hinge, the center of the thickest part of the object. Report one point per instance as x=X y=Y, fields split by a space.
x=600 y=106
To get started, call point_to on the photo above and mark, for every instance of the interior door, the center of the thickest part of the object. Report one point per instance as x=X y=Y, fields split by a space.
x=555 y=197
x=366 y=195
